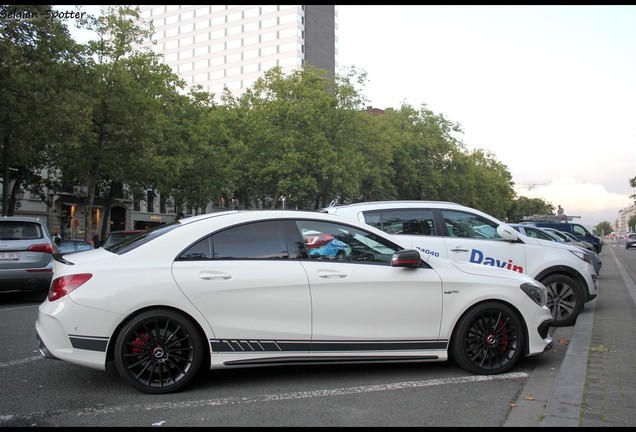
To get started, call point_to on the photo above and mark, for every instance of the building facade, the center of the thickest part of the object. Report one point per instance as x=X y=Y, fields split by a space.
x=622 y=221
x=231 y=46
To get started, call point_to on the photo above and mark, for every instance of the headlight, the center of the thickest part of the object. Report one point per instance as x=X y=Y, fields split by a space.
x=585 y=257
x=536 y=291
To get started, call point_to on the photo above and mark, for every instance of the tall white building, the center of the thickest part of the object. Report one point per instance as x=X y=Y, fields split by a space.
x=219 y=46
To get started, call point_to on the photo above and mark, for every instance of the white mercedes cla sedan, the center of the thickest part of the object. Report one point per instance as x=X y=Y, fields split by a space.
x=241 y=289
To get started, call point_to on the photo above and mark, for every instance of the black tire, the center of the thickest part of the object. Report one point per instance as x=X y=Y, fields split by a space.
x=159 y=351
x=565 y=299
x=489 y=339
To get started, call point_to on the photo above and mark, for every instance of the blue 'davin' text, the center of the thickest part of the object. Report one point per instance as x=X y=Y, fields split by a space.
x=477 y=256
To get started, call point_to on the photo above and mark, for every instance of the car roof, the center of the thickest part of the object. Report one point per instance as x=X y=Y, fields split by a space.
x=396 y=202
x=23 y=219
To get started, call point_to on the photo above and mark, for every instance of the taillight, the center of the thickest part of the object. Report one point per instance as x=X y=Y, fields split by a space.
x=314 y=241
x=44 y=247
x=66 y=284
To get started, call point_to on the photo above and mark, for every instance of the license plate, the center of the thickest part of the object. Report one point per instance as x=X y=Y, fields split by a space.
x=4 y=256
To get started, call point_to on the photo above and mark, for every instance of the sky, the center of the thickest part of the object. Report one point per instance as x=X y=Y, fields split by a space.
x=550 y=91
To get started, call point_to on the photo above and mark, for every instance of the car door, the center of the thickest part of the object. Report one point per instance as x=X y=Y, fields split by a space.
x=473 y=238
x=248 y=268
x=361 y=303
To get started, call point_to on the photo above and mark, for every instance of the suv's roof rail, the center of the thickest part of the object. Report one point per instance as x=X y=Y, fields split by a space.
x=549 y=218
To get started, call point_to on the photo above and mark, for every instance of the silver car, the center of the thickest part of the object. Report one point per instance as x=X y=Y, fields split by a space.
x=26 y=249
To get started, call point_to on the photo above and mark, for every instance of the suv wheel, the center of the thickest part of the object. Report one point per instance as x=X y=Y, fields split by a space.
x=565 y=299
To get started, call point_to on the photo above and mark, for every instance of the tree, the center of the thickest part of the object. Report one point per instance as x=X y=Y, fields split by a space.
x=131 y=97
x=524 y=206
x=632 y=183
x=631 y=223
x=40 y=105
x=604 y=228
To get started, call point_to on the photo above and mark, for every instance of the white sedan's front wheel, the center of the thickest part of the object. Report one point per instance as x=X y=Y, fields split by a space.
x=488 y=339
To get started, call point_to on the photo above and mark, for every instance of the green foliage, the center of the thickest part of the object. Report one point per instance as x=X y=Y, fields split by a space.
x=304 y=137
x=631 y=223
x=604 y=228
x=523 y=206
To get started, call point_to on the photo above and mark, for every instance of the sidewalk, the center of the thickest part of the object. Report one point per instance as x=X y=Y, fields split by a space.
x=596 y=382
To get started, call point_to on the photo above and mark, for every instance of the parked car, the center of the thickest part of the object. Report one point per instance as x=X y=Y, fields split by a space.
x=26 y=248
x=561 y=237
x=630 y=240
x=72 y=246
x=240 y=289
x=585 y=244
x=119 y=235
x=578 y=230
x=450 y=230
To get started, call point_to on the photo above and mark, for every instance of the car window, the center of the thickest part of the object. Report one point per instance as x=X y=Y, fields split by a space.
x=67 y=247
x=18 y=230
x=333 y=241
x=578 y=230
x=468 y=225
x=408 y=221
x=258 y=240
x=536 y=233
x=304 y=239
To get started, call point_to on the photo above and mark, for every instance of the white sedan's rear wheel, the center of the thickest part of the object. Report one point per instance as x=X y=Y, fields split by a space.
x=158 y=351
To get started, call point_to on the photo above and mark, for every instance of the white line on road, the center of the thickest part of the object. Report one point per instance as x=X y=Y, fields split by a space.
x=267 y=397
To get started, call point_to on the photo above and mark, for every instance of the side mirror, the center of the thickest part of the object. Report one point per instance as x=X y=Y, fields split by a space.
x=507 y=232
x=409 y=258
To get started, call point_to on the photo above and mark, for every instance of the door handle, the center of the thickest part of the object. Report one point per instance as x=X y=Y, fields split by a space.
x=459 y=249
x=209 y=275
x=330 y=274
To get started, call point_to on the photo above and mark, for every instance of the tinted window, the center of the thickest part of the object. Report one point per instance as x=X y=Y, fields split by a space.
x=408 y=221
x=129 y=243
x=259 y=240
x=468 y=225
x=580 y=231
x=263 y=240
x=304 y=239
x=18 y=230
x=536 y=233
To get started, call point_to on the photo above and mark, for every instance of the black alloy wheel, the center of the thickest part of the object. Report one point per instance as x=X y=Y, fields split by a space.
x=159 y=351
x=565 y=299
x=488 y=339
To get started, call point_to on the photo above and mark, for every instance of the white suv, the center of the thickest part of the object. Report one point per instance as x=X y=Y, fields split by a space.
x=450 y=230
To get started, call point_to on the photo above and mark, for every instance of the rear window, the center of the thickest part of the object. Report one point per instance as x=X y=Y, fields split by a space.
x=17 y=230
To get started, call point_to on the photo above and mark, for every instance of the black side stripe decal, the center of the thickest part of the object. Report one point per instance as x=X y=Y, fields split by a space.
x=254 y=345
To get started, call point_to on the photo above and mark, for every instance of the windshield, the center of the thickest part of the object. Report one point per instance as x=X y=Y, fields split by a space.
x=133 y=242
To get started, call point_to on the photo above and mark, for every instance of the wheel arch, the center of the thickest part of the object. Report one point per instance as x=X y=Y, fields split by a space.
x=110 y=351
x=526 y=340
x=567 y=271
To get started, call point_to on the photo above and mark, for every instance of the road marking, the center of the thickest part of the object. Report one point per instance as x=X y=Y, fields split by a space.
x=266 y=397
x=21 y=361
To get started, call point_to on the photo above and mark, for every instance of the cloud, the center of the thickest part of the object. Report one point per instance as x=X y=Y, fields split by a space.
x=592 y=202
